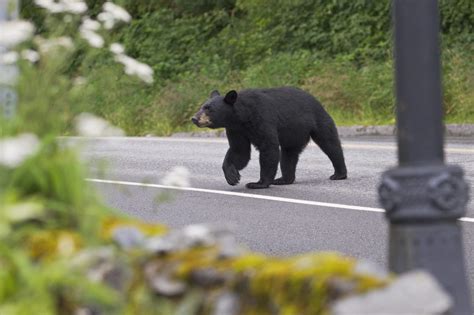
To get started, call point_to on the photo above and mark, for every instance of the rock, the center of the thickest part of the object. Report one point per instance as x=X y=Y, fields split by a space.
x=128 y=237
x=190 y=236
x=118 y=276
x=413 y=293
x=159 y=245
x=369 y=268
x=165 y=286
x=197 y=235
x=208 y=277
x=338 y=287
x=92 y=256
x=227 y=304
x=229 y=247
x=162 y=282
x=104 y=265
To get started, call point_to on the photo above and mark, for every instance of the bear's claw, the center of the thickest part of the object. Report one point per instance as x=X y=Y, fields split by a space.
x=283 y=181
x=232 y=175
x=257 y=185
x=338 y=176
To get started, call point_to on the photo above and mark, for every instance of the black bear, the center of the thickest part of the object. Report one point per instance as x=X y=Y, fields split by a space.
x=271 y=119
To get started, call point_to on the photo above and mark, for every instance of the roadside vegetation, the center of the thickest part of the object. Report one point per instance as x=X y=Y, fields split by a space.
x=340 y=51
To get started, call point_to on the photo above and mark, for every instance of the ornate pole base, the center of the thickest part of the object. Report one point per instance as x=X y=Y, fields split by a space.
x=437 y=248
x=423 y=204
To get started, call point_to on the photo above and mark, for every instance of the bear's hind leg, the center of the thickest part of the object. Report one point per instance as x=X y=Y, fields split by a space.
x=288 y=161
x=328 y=140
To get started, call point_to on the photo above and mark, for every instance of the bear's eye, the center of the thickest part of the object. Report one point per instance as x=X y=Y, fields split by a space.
x=207 y=107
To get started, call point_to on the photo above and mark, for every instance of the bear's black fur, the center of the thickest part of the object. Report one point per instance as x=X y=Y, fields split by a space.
x=271 y=119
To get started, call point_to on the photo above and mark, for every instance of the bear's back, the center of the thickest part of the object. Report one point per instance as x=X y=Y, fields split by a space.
x=281 y=99
x=282 y=103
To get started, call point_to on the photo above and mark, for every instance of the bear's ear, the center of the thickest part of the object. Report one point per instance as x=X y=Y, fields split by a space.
x=215 y=93
x=230 y=97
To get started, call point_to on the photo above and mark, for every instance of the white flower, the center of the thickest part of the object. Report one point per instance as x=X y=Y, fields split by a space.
x=117 y=12
x=89 y=125
x=108 y=20
x=178 y=176
x=134 y=67
x=71 y=6
x=90 y=25
x=75 y=6
x=94 y=39
x=15 y=32
x=50 y=5
x=79 y=81
x=113 y=13
x=117 y=48
x=8 y=58
x=87 y=30
x=30 y=55
x=46 y=45
x=13 y=151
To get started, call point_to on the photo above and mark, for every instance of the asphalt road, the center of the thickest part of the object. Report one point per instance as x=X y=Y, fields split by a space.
x=314 y=214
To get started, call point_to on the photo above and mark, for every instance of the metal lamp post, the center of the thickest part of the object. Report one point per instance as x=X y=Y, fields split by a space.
x=8 y=72
x=423 y=197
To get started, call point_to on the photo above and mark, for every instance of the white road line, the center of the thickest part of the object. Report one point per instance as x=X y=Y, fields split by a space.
x=392 y=147
x=163 y=139
x=254 y=196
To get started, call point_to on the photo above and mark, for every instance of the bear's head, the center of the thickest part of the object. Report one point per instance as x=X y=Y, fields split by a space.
x=217 y=111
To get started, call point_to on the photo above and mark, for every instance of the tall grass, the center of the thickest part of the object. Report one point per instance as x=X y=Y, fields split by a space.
x=353 y=95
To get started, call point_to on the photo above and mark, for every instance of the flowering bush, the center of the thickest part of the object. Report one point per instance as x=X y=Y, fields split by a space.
x=55 y=64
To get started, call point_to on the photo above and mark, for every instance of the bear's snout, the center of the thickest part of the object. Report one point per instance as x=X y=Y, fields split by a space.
x=201 y=119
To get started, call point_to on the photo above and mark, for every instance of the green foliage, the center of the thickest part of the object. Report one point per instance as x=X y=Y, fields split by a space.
x=279 y=70
x=122 y=100
x=458 y=80
x=253 y=30
x=168 y=43
x=340 y=51
x=354 y=95
x=457 y=18
x=329 y=28
x=48 y=216
x=46 y=91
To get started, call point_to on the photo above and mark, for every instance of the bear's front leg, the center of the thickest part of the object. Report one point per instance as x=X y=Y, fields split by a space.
x=269 y=157
x=237 y=157
x=234 y=161
x=231 y=174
